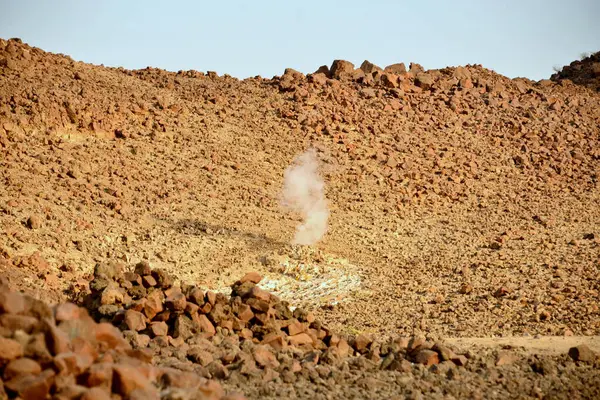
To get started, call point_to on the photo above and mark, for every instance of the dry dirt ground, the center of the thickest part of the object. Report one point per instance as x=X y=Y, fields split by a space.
x=463 y=205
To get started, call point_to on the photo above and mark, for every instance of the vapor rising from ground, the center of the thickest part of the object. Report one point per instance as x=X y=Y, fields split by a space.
x=304 y=193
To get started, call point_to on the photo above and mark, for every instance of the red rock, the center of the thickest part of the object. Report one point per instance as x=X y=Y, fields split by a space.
x=253 y=277
x=57 y=340
x=362 y=343
x=246 y=333
x=110 y=336
x=149 y=281
x=582 y=353
x=96 y=393
x=112 y=295
x=424 y=80
x=318 y=79
x=397 y=69
x=211 y=298
x=446 y=354
x=21 y=366
x=14 y=322
x=506 y=358
x=210 y=390
x=176 y=301
x=344 y=348
x=163 y=316
x=36 y=348
x=153 y=304
x=415 y=342
x=143 y=268
x=459 y=360
x=196 y=296
x=206 y=326
x=389 y=80
x=274 y=339
x=264 y=357
x=32 y=387
x=100 y=374
x=71 y=364
x=369 y=67
x=67 y=312
x=300 y=339
x=127 y=379
x=159 y=328
x=85 y=350
x=11 y=302
x=426 y=357
x=135 y=321
x=163 y=280
x=245 y=313
x=206 y=308
x=260 y=294
x=258 y=305
x=191 y=309
x=341 y=69
x=34 y=222
x=295 y=328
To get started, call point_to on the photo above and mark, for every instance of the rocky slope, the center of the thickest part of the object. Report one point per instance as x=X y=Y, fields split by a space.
x=463 y=203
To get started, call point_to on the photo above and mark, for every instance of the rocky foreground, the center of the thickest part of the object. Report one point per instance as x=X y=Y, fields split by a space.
x=151 y=339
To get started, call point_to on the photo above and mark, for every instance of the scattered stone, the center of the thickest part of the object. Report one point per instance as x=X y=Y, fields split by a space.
x=34 y=222
x=582 y=353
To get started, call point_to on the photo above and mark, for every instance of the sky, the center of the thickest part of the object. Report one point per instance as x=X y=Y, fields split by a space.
x=525 y=38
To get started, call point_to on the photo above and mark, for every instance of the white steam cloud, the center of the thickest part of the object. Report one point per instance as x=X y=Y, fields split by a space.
x=304 y=193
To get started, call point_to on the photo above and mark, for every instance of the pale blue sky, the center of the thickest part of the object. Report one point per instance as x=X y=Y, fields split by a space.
x=247 y=38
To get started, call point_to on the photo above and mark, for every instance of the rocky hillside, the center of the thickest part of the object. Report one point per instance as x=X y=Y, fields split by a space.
x=462 y=203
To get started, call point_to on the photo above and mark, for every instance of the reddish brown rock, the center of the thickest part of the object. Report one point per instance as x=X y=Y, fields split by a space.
x=135 y=321
x=176 y=301
x=506 y=358
x=128 y=379
x=159 y=328
x=21 y=366
x=300 y=339
x=95 y=393
x=206 y=326
x=341 y=69
x=369 y=67
x=426 y=357
x=149 y=281
x=582 y=353
x=253 y=277
x=11 y=302
x=153 y=304
x=32 y=387
x=264 y=357
x=362 y=343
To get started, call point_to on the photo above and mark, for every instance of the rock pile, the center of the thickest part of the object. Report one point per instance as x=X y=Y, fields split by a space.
x=60 y=352
x=252 y=332
x=584 y=72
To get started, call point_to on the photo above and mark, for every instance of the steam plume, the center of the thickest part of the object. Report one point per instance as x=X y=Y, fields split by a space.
x=304 y=192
